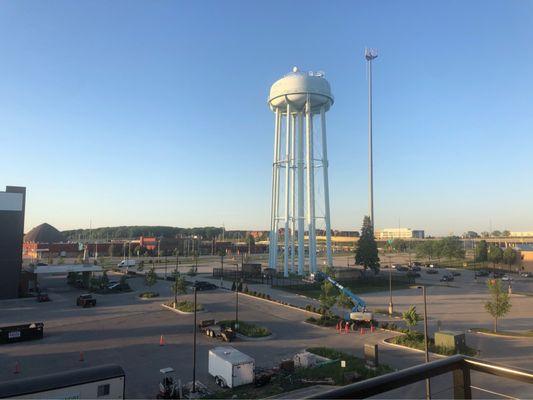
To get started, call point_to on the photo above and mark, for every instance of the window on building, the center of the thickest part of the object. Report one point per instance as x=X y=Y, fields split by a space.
x=103 y=390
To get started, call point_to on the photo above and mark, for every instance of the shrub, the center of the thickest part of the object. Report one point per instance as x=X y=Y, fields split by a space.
x=187 y=306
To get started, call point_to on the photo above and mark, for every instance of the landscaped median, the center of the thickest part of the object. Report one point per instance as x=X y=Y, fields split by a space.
x=308 y=308
x=183 y=307
x=415 y=340
x=247 y=329
x=148 y=295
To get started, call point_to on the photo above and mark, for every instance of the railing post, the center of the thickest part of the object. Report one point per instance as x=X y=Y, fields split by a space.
x=461 y=383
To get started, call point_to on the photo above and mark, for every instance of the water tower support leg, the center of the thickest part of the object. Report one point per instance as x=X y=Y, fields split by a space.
x=301 y=222
x=326 y=186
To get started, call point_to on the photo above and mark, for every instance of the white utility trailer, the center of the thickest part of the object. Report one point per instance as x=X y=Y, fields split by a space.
x=230 y=367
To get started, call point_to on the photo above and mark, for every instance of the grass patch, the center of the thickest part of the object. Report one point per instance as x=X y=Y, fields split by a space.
x=148 y=295
x=386 y=312
x=247 y=328
x=504 y=333
x=285 y=382
x=186 y=306
x=323 y=320
x=415 y=340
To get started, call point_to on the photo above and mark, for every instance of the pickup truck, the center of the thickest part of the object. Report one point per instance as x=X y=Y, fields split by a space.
x=210 y=328
x=86 y=300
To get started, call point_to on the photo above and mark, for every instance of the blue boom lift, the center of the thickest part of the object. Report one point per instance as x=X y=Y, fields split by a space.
x=358 y=312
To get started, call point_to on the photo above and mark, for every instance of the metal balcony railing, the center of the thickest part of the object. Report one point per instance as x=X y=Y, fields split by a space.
x=460 y=366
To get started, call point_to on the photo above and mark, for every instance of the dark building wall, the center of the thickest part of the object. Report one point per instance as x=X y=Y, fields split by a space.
x=12 y=203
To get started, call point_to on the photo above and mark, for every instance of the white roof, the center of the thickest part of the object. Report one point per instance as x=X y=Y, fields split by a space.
x=232 y=355
x=64 y=268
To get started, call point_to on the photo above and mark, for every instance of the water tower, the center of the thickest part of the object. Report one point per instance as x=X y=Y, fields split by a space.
x=299 y=101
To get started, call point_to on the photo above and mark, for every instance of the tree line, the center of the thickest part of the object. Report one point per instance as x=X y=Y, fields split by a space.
x=130 y=232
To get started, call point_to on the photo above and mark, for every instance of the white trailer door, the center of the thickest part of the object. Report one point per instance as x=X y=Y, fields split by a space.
x=243 y=374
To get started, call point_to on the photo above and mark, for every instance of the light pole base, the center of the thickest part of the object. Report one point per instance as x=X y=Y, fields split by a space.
x=391 y=308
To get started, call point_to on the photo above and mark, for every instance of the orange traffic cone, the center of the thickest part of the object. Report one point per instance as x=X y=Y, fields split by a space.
x=338 y=327
x=346 y=328
x=81 y=359
x=372 y=328
x=17 y=368
x=161 y=341
x=362 y=331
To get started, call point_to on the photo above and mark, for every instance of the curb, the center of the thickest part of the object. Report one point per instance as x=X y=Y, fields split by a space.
x=255 y=339
x=181 y=312
x=498 y=335
x=384 y=341
x=279 y=304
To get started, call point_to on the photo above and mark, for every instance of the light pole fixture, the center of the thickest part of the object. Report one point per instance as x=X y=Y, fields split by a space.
x=370 y=54
x=426 y=339
x=194 y=346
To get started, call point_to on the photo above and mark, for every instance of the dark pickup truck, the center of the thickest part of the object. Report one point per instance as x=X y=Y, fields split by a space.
x=86 y=300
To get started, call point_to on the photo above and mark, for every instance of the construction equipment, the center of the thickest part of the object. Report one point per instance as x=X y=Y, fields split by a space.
x=169 y=388
x=210 y=328
x=358 y=312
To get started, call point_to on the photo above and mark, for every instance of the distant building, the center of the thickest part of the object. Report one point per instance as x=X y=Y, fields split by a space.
x=399 y=233
x=12 y=208
x=521 y=234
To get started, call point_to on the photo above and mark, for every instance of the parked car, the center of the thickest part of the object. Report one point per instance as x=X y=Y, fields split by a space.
x=86 y=300
x=481 y=273
x=41 y=264
x=417 y=264
x=432 y=271
x=401 y=268
x=456 y=273
x=202 y=285
x=413 y=274
x=42 y=297
x=447 y=278
x=415 y=268
x=497 y=275
x=506 y=278
x=525 y=274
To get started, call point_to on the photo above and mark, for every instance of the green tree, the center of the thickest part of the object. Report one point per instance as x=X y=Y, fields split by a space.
x=496 y=233
x=399 y=245
x=111 y=250
x=366 y=253
x=495 y=255
x=426 y=249
x=411 y=317
x=344 y=301
x=482 y=251
x=506 y=233
x=327 y=298
x=104 y=279
x=150 y=278
x=179 y=286
x=250 y=241
x=510 y=256
x=499 y=304
x=452 y=248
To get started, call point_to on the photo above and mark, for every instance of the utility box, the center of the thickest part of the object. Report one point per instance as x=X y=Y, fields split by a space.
x=371 y=355
x=230 y=367
x=450 y=339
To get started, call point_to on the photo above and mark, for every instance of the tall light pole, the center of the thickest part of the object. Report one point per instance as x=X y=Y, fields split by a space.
x=426 y=338
x=370 y=54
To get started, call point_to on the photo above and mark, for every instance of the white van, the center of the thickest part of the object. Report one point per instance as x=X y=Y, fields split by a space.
x=126 y=263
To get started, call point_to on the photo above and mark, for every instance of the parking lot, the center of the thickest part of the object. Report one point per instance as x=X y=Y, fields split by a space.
x=125 y=330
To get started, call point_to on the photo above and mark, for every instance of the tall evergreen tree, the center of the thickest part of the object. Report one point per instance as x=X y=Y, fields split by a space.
x=366 y=253
x=482 y=251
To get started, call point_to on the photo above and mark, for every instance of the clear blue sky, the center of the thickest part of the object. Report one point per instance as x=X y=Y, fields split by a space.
x=154 y=112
